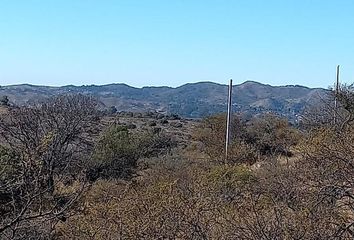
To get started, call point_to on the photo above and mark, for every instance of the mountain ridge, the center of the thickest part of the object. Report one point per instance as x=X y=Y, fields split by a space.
x=151 y=86
x=188 y=100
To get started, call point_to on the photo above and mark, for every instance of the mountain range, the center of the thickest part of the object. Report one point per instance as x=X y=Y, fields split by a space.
x=192 y=100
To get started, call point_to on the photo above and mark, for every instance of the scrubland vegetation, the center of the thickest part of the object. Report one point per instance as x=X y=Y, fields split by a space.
x=69 y=171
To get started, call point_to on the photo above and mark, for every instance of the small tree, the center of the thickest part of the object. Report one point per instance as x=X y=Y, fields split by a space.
x=112 y=110
x=4 y=101
x=270 y=134
x=49 y=144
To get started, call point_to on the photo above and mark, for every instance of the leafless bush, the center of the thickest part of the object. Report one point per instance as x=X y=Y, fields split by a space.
x=47 y=148
x=334 y=110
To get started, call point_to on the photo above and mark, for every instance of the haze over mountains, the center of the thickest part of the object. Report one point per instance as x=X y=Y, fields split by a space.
x=189 y=100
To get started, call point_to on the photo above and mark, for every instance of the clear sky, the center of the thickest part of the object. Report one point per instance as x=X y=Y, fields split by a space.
x=172 y=42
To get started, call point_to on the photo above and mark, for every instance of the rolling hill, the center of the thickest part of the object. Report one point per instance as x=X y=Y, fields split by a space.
x=190 y=100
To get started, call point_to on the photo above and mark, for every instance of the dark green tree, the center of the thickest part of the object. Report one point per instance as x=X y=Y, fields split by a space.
x=4 y=101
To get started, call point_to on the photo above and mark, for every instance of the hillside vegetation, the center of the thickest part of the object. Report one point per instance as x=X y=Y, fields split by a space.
x=71 y=171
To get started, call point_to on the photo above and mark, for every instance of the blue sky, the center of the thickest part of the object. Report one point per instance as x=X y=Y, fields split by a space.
x=166 y=42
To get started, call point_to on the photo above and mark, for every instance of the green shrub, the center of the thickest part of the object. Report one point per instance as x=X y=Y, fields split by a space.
x=118 y=151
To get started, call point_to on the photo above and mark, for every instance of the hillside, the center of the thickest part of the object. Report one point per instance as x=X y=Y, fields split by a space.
x=189 y=100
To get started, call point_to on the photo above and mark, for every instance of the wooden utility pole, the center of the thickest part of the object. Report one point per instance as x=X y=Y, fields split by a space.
x=228 y=122
x=336 y=96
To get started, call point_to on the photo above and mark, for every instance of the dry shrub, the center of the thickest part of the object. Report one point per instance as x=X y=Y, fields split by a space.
x=211 y=133
x=271 y=135
x=265 y=136
x=242 y=152
x=175 y=203
x=183 y=199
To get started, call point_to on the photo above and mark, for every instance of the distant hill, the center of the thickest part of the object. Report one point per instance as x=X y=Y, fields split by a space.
x=189 y=100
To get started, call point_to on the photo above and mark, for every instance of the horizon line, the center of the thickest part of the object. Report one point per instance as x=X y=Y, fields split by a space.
x=160 y=86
